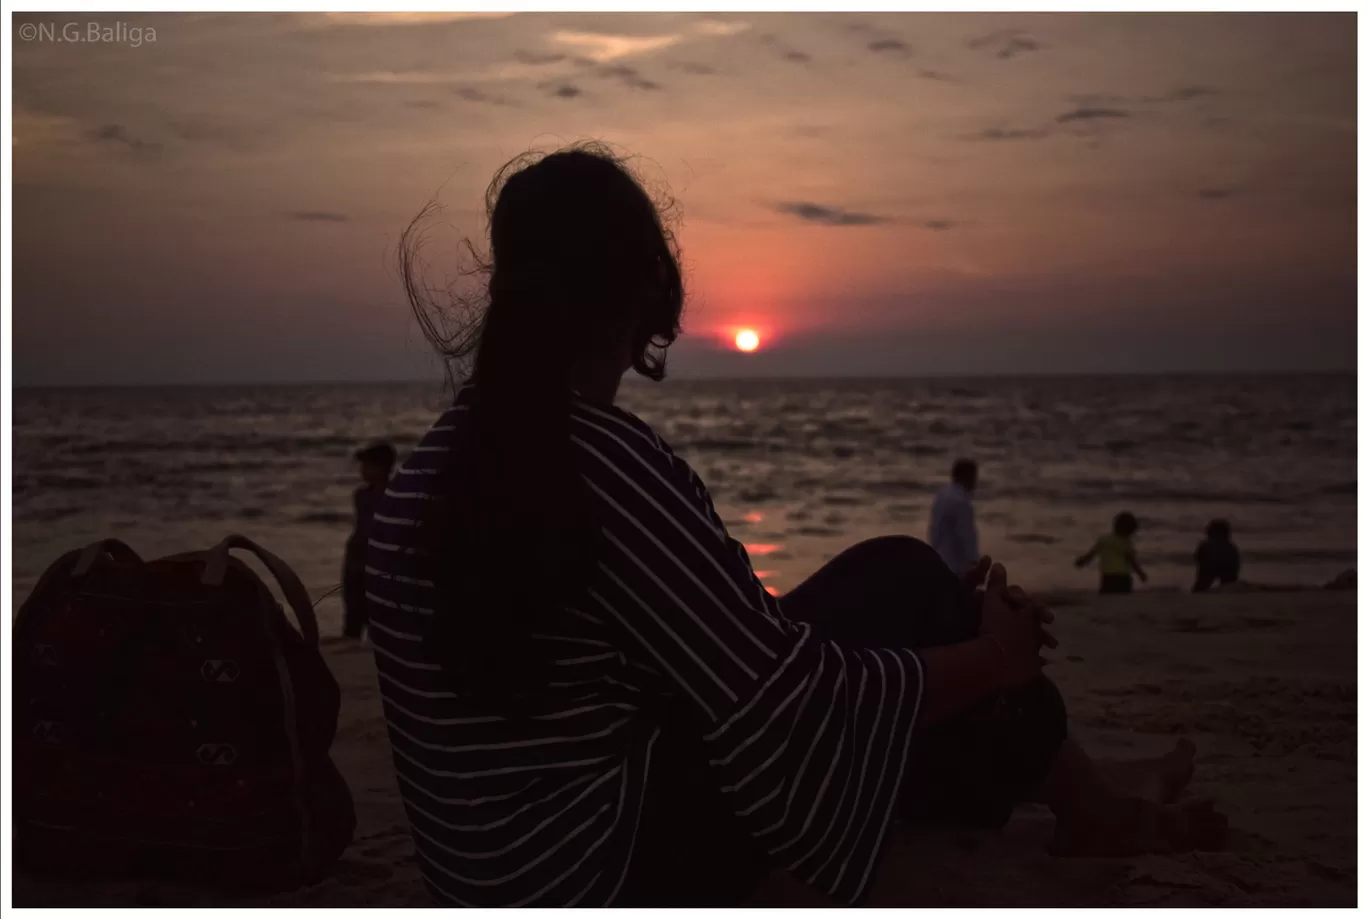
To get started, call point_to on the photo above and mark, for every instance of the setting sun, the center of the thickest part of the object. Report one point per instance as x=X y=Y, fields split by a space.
x=747 y=340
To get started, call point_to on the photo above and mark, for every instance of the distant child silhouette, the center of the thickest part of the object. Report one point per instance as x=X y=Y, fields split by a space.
x=377 y=465
x=1217 y=558
x=1115 y=554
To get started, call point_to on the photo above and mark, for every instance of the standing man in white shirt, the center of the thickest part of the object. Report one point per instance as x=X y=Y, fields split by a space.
x=954 y=535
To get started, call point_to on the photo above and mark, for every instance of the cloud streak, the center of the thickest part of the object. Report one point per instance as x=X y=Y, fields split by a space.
x=507 y=71
x=398 y=77
x=471 y=94
x=1112 y=100
x=316 y=20
x=1005 y=44
x=533 y=59
x=693 y=67
x=785 y=52
x=627 y=76
x=1010 y=134
x=118 y=134
x=723 y=28
x=601 y=47
x=317 y=216
x=1088 y=113
x=825 y=215
x=1182 y=94
x=889 y=46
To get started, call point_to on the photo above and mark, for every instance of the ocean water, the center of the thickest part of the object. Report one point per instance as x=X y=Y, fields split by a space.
x=799 y=469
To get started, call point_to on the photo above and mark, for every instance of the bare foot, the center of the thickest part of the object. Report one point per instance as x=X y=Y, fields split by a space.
x=1125 y=825
x=1160 y=778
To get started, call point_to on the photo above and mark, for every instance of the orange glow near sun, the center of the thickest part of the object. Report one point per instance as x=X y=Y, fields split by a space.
x=747 y=340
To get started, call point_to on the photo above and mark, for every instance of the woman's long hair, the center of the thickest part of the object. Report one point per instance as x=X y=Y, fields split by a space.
x=580 y=271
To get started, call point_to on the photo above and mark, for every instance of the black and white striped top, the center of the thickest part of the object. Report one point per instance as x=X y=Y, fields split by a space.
x=808 y=740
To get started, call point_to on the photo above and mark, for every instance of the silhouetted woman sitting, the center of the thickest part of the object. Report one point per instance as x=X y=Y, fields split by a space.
x=591 y=698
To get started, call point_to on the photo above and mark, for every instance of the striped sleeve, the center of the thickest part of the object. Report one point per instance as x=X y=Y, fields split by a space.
x=808 y=739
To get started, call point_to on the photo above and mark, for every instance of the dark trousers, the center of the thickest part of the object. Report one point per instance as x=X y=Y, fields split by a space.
x=355 y=614
x=1116 y=584
x=971 y=769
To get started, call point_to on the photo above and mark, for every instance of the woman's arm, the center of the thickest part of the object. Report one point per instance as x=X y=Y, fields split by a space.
x=1083 y=560
x=1007 y=653
x=954 y=676
x=808 y=739
x=957 y=676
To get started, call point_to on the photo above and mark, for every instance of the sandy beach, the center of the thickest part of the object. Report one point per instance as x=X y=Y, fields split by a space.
x=1264 y=683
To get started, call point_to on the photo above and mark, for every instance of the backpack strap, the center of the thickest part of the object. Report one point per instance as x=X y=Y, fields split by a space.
x=84 y=560
x=115 y=549
x=215 y=570
x=216 y=567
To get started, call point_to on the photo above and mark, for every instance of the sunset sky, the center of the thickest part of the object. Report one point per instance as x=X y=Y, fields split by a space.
x=886 y=194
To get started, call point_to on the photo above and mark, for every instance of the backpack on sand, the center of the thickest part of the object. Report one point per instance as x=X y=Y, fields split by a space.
x=170 y=722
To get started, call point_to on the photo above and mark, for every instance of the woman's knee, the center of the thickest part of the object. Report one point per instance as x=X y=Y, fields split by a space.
x=905 y=552
x=890 y=591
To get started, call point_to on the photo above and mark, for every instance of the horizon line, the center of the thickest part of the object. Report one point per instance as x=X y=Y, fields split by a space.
x=633 y=380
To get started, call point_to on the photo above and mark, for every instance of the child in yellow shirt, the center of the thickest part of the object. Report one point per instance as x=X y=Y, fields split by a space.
x=1115 y=554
